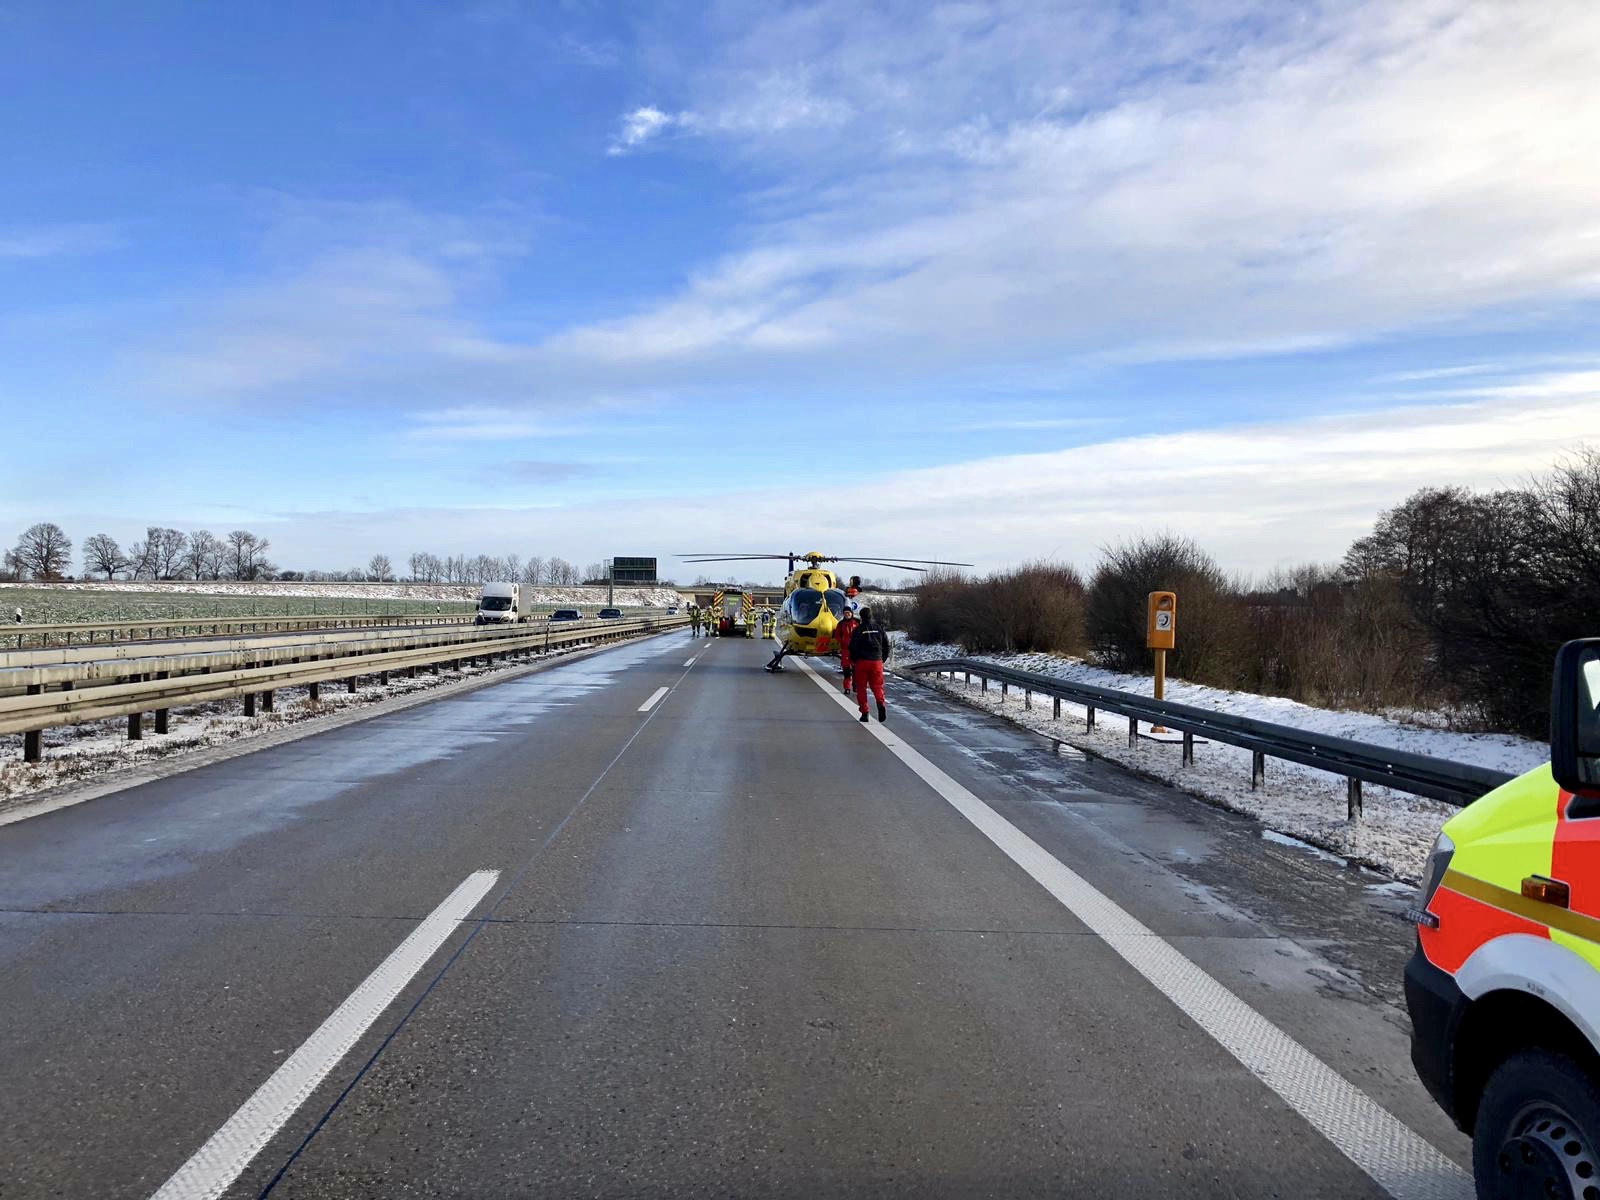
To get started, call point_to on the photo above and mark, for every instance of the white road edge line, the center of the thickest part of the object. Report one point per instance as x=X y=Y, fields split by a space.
x=655 y=699
x=691 y=662
x=1398 y=1159
x=214 y=1167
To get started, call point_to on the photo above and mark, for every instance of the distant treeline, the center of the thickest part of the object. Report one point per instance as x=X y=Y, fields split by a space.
x=1455 y=600
x=44 y=552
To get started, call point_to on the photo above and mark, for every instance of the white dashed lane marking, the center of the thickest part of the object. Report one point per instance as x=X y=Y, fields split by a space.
x=215 y=1166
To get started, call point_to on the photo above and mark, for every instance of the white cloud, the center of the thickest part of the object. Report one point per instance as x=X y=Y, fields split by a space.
x=1256 y=496
x=638 y=127
x=1350 y=172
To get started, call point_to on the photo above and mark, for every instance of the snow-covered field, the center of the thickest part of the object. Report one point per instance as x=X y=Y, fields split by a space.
x=85 y=752
x=1396 y=831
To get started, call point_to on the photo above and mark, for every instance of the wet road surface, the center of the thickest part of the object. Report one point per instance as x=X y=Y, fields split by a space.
x=727 y=942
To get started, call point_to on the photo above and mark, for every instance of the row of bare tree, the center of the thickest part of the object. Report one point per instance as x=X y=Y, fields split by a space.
x=44 y=552
x=485 y=568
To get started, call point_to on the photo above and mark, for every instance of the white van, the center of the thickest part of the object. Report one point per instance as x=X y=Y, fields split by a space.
x=500 y=602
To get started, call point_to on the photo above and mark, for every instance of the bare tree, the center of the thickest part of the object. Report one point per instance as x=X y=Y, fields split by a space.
x=141 y=560
x=169 y=545
x=197 y=559
x=562 y=573
x=533 y=570
x=44 y=551
x=378 y=568
x=594 y=573
x=247 y=555
x=101 y=553
x=511 y=565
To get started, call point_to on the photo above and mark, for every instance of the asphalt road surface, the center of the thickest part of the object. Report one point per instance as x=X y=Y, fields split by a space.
x=657 y=923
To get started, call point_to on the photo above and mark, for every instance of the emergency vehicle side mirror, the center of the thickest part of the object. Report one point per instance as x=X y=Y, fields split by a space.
x=1575 y=722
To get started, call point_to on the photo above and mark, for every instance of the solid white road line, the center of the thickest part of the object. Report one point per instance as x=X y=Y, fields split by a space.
x=1399 y=1160
x=655 y=699
x=218 y=1163
x=690 y=663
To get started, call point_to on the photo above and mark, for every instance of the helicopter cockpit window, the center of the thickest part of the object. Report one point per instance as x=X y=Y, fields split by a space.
x=805 y=604
x=836 y=602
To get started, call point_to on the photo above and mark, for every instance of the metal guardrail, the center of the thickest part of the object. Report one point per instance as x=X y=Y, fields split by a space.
x=92 y=633
x=72 y=693
x=1358 y=762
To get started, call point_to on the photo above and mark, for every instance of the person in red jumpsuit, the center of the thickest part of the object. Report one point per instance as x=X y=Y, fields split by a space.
x=869 y=650
x=843 y=631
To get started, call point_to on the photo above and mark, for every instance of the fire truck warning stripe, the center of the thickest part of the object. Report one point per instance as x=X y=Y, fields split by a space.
x=1519 y=905
x=1398 y=1159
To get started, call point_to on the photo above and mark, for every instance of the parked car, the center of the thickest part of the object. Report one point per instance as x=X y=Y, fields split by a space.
x=566 y=614
x=611 y=614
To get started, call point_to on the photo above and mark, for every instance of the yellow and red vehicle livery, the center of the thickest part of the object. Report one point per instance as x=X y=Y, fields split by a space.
x=1508 y=934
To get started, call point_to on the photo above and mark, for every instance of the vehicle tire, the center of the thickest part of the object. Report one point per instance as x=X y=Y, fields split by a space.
x=1538 y=1130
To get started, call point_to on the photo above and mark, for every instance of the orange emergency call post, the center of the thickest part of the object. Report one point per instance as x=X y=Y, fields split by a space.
x=1160 y=635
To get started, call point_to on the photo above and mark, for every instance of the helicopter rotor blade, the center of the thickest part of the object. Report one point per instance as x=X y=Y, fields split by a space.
x=894 y=566
x=904 y=562
x=733 y=558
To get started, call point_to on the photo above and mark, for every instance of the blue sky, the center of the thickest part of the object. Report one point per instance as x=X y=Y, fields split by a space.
x=975 y=281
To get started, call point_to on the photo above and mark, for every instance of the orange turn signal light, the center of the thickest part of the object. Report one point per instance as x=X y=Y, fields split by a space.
x=1547 y=891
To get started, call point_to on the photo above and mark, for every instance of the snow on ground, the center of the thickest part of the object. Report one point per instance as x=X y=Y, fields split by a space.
x=1396 y=831
x=80 y=752
x=592 y=596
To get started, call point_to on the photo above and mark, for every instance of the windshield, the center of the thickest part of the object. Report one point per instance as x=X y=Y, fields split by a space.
x=804 y=605
x=836 y=602
x=495 y=603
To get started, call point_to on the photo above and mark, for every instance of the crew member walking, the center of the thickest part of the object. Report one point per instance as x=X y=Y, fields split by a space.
x=844 y=630
x=869 y=650
x=694 y=619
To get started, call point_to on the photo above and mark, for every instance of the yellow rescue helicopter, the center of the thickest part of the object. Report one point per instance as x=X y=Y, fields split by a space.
x=814 y=601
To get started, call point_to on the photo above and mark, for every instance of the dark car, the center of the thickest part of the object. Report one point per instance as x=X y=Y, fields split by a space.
x=610 y=614
x=566 y=614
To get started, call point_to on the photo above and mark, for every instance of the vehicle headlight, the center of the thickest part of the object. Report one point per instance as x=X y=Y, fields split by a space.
x=1438 y=863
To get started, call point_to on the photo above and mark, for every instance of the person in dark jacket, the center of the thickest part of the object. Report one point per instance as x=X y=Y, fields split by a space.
x=869 y=650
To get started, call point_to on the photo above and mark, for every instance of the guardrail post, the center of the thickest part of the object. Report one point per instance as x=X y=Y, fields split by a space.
x=1027 y=698
x=161 y=713
x=1056 y=715
x=1258 y=769
x=1188 y=750
x=135 y=727
x=314 y=692
x=350 y=685
x=249 y=704
x=1005 y=690
x=1353 y=798
x=1133 y=733
x=383 y=678
x=968 y=674
x=1088 y=717
x=984 y=679
x=33 y=739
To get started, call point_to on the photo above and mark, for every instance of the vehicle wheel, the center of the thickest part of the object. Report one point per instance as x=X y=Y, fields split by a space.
x=1538 y=1130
